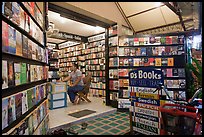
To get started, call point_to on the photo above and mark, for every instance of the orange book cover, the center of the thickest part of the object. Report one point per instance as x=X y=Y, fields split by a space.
x=170 y=61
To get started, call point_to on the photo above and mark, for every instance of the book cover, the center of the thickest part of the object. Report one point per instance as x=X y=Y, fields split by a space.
x=170 y=61
x=168 y=40
x=131 y=41
x=141 y=63
x=158 y=61
x=4 y=113
x=152 y=40
x=146 y=40
x=115 y=73
x=141 y=41
x=161 y=50
x=32 y=73
x=8 y=9
x=30 y=123
x=137 y=51
x=121 y=52
x=25 y=47
x=132 y=52
x=35 y=120
x=130 y=62
x=125 y=62
x=126 y=52
x=115 y=95
x=174 y=50
x=41 y=92
x=163 y=40
x=169 y=72
x=30 y=45
x=34 y=97
x=181 y=72
x=22 y=18
x=143 y=51
x=146 y=61
x=182 y=83
x=121 y=83
x=154 y=51
x=18 y=103
x=175 y=72
x=24 y=102
x=151 y=61
x=116 y=62
x=28 y=72
x=164 y=71
x=37 y=94
x=4 y=74
x=11 y=109
x=18 y=43
x=164 y=61
x=180 y=39
x=5 y=37
x=123 y=41
x=126 y=82
x=16 y=13
x=167 y=50
x=157 y=41
x=110 y=73
x=136 y=41
x=169 y=83
x=29 y=97
x=126 y=94
x=149 y=51
x=17 y=71
x=23 y=73
x=175 y=84
x=174 y=39
x=111 y=84
x=12 y=40
x=113 y=51
x=11 y=75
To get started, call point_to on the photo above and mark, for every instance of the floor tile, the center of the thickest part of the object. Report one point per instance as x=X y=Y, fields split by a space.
x=114 y=130
x=98 y=130
x=106 y=127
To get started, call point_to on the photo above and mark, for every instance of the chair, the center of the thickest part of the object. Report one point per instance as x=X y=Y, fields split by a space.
x=84 y=93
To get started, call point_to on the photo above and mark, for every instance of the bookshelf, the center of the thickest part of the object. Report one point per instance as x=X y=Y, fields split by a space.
x=165 y=52
x=24 y=68
x=95 y=63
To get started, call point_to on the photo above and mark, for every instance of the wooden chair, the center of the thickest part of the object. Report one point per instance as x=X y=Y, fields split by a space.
x=84 y=93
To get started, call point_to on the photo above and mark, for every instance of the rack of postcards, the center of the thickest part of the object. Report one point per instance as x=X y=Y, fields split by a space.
x=166 y=53
x=95 y=63
x=71 y=52
x=24 y=70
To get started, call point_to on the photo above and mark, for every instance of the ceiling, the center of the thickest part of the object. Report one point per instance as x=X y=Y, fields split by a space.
x=141 y=17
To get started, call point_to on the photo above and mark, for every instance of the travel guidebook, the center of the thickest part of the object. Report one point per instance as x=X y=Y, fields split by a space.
x=5 y=35
x=12 y=40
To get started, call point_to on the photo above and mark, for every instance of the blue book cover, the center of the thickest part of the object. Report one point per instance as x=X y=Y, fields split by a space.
x=12 y=40
x=11 y=109
x=4 y=113
x=143 y=51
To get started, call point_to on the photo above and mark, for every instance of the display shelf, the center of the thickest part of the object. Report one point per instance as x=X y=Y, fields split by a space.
x=26 y=10
x=22 y=31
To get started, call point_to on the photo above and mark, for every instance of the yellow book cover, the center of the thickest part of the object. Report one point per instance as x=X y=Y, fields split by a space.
x=157 y=61
x=170 y=61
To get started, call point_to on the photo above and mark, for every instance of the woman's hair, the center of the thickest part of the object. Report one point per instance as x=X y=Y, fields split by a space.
x=76 y=65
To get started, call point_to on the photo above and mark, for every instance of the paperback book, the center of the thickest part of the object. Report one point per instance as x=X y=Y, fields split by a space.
x=18 y=103
x=4 y=113
x=17 y=71
x=5 y=36
x=23 y=75
x=11 y=109
x=4 y=74
x=12 y=40
x=18 y=43
x=11 y=75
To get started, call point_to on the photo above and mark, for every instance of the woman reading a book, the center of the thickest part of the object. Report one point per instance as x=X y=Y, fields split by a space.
x=76 y=83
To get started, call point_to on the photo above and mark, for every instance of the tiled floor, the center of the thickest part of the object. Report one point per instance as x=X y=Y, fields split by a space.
x=59 y=118
x=116 y=123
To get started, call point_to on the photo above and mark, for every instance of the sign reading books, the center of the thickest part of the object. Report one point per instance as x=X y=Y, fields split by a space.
x=144 y=101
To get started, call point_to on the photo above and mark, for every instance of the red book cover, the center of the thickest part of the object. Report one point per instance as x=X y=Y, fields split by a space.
x=168 y=40
x=111 y=84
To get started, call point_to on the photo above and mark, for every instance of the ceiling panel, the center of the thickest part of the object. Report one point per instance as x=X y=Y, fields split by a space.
x=147 y=20
x=169 y=15
x=71 y=26
x=53 y=40
x=131 y=8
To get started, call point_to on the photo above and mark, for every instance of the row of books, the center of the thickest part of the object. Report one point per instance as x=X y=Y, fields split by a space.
x=113 y=30
x=99 y=85
x=95 y=55
x=167 y=72
x=95 y=67
x=18 y=44
x=149 y=51
x=67 y=60
x=178 y=83
x=114 y=96
x=17 y=73
x=37 y=123
x=160 y=40
x=17 y=15
x=123 y=93
x=97 y=93
x=54 y=64
x=95 y=49
x=52 y=54
x=16 y=105
x=145 y=61
x=98 y=79
x=97 y=73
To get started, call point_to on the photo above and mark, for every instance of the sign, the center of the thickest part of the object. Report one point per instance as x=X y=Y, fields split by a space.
x=69 y=36
x=145 y=78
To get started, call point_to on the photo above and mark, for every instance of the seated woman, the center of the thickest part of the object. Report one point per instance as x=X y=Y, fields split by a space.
x=76 y=78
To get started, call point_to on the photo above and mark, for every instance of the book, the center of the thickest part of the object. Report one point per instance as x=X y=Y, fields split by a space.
x=11 y=109
x=16 y=13
x=170 y=61
x=125 y=62
x=143 y=51
x=35 y=120
x=23 y=75
x=17 y=71
x=115 y=73
x=30 y=123
x=157 y=61
x=28 y=72
x=29 y=97
x=180 y=39
x=168 y=40
x=126 y=94
x=4 y=113
x=175 y=72
x=137 y=51
x=181 y=72
x=123 y=41
x=141 y=63
x=30 y=45
x=121 y=52
x=164 y=61
x=113 y=51
x=24 y=102
x=169 y=83
x=141 y=41
x=131 y=41
x=174 y=50
x=126 y=52
x=132 y=52
x=175 y=84
x=121 y=84
x=149 y=51
x=12 y=40
x=19 y=43
x=8 y=9
x=146 y=61
x=182 y=83
x=174 y=39
x=4 y=74
x=163 y=40
x=169 y=72
x=11 y=75
x=151 y=61
x=152 y=40
x=164 y=71
x=116 y=62
x=136 y=41
x=167 y=50
x=25 y=47
x=18 y=103
x=111 y=84
x=22 y=18
x=146 y=40
x=161 y=50
x=157 y=41
x=136 y=61
x=5 y=36
x=130 y=62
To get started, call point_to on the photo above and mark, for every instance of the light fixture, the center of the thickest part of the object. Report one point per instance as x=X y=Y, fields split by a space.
x=157 y=4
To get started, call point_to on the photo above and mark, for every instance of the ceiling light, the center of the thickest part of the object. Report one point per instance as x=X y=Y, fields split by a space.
x=157 y=4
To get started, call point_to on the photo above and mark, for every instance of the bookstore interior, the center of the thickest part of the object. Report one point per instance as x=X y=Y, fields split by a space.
x=101 y=68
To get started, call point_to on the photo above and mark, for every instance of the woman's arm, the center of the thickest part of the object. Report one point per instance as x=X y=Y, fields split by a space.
x=66 y=79
x=77 y=81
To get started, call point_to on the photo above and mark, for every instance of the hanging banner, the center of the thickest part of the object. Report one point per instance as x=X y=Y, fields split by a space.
x=143 y=82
